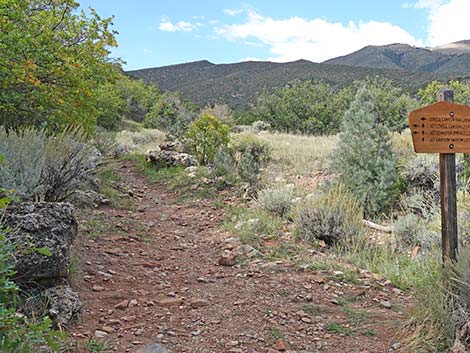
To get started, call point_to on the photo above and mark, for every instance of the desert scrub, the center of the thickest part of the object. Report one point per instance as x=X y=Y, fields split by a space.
x=251 y=155
x=298 y=154
x=412 y=230
x=252 y=225
x=277 y=199
x=43 y=167
x=140 y=141
x=205 y=136
x=333 y=217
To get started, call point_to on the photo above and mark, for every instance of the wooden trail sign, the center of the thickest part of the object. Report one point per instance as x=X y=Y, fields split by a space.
x=444 y=128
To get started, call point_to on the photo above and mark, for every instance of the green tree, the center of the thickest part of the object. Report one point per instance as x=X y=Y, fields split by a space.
x=205 y=136
x=364 y=157
x=170 y=113
x=301 y=106
x=140 y=97
x=111 y=106
x=390 y=103
x=428 y=94
x=52 y=58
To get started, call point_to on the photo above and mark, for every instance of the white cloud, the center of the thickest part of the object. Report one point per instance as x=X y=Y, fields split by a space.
x=232 y=12
x=448 y=22
x=181 y=26
x=313 y=39
x=427 y=4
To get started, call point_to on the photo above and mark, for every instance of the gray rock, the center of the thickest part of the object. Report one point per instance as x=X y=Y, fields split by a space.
x=50 y=225
x=154 y=348
x=63 y=305
x=174 y=146
x=162 y=158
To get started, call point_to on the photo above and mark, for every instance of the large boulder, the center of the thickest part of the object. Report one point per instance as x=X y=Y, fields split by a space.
x=43 y=233
x=164 y=158
x=154 y=348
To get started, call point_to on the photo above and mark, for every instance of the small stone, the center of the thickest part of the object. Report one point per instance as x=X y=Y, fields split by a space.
x=228 y=260
x=281 y=346
x=334 y=301
x=154 y=348
x=167 y=302
x=139 y=332
x=100 y=334
x=132 y=303
x=396 y=346
x=98 y=288
x=107 y=329
x=122 y=305
x=386 y=304
x=198 y=303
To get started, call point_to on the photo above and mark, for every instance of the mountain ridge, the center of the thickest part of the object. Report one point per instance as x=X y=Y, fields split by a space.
x=238 y=84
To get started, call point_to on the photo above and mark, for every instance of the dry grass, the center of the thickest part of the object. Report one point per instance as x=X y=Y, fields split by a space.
x=140 y=141
x=298 y=154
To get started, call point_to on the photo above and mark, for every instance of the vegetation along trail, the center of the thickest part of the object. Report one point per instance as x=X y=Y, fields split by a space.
x=156 y=274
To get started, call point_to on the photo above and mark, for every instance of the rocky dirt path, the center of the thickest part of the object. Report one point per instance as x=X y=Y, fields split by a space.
x=152 y=276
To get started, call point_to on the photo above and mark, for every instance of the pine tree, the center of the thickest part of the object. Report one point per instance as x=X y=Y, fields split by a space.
x=364 y=157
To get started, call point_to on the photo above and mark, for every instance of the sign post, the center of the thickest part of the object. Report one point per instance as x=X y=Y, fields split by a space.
x=444 y=128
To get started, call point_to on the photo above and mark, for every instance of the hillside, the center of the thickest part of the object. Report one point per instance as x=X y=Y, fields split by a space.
x=450 y=59
x=238 y=84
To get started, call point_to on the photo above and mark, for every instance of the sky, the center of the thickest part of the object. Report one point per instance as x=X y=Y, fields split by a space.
x=166 y=32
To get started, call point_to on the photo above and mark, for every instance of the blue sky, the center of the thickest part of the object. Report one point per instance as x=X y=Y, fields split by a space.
x=165 y=32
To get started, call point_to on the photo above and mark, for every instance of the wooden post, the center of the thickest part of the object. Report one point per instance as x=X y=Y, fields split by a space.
x=448 y=195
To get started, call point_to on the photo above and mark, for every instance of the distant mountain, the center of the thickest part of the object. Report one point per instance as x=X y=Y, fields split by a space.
x=238 y=84
x=450 y=59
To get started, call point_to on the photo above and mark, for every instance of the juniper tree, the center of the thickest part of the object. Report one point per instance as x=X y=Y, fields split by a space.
x=364 y=157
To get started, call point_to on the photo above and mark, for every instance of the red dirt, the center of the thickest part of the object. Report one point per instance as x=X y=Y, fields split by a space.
x=152 y=276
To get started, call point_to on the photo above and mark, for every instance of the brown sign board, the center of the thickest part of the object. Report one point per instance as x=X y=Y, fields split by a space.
x=442 y=127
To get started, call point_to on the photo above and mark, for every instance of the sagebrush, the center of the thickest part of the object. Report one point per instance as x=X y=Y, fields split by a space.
x=44 y=167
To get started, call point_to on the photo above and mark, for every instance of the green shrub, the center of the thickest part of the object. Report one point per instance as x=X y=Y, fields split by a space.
x=42 y=167
x=412 y=230
x=421 y=171
x=260 y=125
x=205 y=136
x=251 y=145
x=223 y=163
x=364 y=157
x=170 y=113
x=333 y=217
x=276 y=199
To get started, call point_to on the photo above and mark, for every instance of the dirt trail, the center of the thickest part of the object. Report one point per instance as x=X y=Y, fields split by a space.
x=152 y=275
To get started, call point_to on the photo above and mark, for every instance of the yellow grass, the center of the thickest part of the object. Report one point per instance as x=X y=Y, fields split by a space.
x=140 y=141
x=299 y=154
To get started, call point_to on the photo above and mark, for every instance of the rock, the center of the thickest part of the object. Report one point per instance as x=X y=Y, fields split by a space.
x=249 y=251
x=228 y=259
x=164 y=158
x=198 y=303
x=396 y=346
x=174 y=146
x=281 y=346
x=50 y=226
x=153 y=348
x=122 y=305
x=89 y=198
x=167 y=302
x=386 y=304
x=97 y=288
x=191 y=169
x=63 y=305
x=100 y=334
